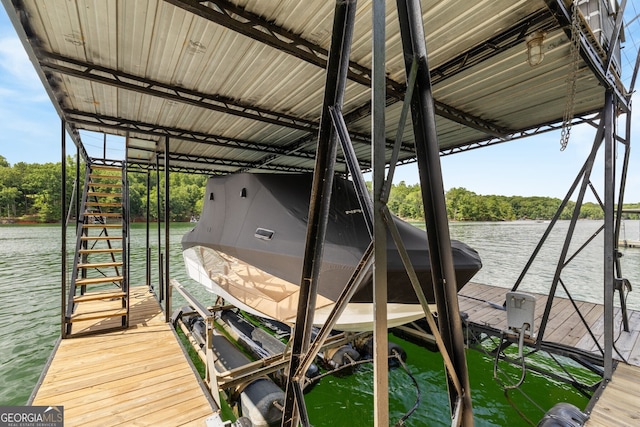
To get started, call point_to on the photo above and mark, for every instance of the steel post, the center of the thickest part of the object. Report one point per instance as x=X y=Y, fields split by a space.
x=432 y=188
x=63 y=226
x=378 y=159
x=609 y=244
x=167 y=255
x=148 y=234
x=160 y=275
x=78 y=196
x=336 y=76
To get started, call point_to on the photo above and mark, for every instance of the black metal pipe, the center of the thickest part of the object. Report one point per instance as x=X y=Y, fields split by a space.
x=618 y=220
x=432 y=188
x=324 y=169
x=167 y=257
x=160 y=275
x=63 y=245
x=148 y=236
x=353 y=167
x=78 y=196
x=609 y=245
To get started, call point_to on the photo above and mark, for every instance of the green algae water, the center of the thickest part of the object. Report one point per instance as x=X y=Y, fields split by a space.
x=30 y=326
x=349 y=399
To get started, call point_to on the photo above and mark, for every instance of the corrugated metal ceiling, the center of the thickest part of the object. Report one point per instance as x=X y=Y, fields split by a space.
x=238 y=85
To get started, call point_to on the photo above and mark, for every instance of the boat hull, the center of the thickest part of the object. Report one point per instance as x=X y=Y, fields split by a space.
x=248 y=248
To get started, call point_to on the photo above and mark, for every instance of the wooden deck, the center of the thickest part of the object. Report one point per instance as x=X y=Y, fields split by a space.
x=564 y=327
x=618 y=403
x=139 y=376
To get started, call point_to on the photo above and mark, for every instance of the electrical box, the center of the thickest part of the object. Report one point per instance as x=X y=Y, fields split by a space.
x=600 y=15
x=521 y=310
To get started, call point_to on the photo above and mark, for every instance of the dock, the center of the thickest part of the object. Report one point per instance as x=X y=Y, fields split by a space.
x=138 y=376
x=629 y=243
x=616 y=404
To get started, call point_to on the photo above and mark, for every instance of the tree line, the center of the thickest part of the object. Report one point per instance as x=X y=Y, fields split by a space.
x=31 y=192
x=464 y=205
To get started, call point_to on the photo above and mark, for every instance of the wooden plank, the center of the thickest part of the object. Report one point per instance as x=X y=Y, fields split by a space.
x=97 y=280
x=99 y=250
x=104 y=214
x=93 y=296
x=102 y=194
x=103 y=204
x=105 y=185
x=102 y=314
x=100 y=264
x=102 y=225
x=96 y=166
x=88 y=238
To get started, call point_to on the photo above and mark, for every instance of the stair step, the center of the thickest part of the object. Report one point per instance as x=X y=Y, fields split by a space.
x=102 y=225
x=99 y=251
x=103 y=204
x=100 y=264
x=105 y=167
x=105 y=214
x=97 y=280
x=104 y=185
x=100 y=194
x=103 y=314
x=96 y=296
x=93 y=176
x=88 y=238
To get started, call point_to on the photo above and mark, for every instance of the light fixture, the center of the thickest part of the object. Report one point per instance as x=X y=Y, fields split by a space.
x=535 y=50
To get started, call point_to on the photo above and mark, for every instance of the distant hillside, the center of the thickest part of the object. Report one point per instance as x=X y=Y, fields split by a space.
x=31 y=192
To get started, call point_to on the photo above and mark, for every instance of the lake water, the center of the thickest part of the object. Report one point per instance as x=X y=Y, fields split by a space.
x=30 y=319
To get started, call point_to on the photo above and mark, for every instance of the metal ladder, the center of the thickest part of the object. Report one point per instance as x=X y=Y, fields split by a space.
x=99 y=288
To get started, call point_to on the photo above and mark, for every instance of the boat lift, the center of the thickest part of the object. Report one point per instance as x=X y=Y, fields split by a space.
x=164 y=145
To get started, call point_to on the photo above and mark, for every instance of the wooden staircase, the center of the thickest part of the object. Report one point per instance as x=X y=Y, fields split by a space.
x=99 y=289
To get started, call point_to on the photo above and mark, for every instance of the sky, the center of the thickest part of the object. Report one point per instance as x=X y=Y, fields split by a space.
x=534 y=166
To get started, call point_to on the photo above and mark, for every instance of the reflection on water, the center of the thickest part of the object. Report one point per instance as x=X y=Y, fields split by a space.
x=30 y=315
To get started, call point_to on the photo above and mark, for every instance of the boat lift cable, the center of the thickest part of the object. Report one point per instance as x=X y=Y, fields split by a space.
x=523 y=365
x=492 y=304
x=415 y=383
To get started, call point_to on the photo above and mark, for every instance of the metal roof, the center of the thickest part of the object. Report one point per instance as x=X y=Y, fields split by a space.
x=238 y=85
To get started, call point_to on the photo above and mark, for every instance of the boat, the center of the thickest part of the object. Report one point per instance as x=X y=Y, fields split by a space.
x=248 y=249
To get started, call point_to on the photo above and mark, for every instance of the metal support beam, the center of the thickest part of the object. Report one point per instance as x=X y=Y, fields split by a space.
x=158 y=204
x=150 y=129
x=63 y=226
x=118 y=79
x=609 y=234
x=618 y=222
x=432 y=188
x=378 y=159
x=335 y=83
x=167 y=222
x=148 y=233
